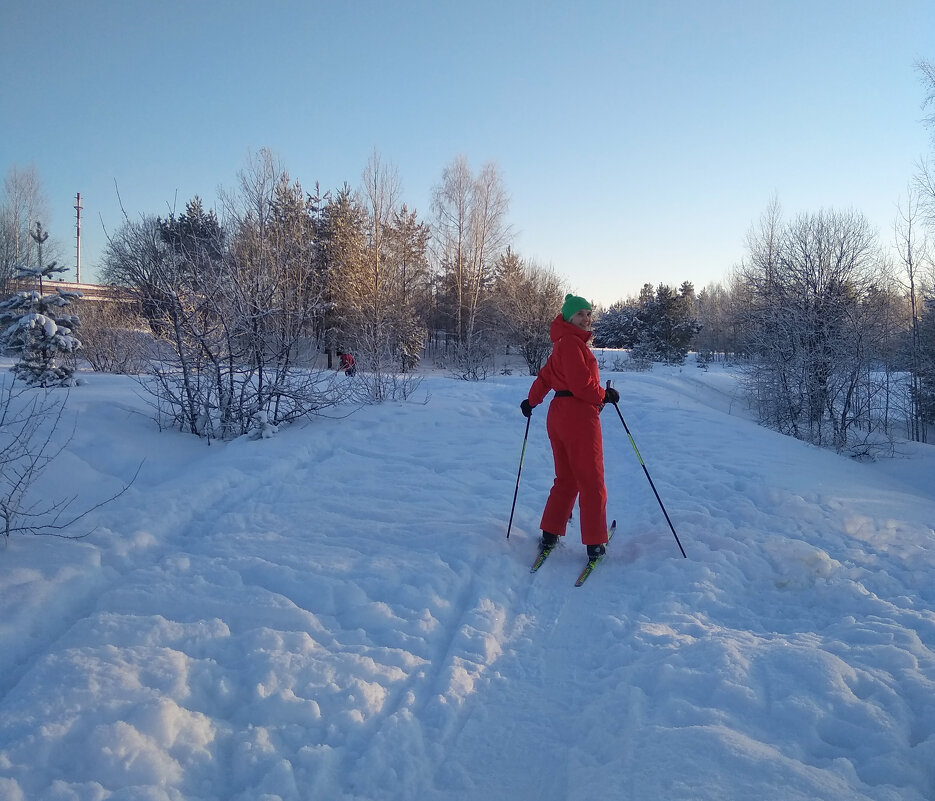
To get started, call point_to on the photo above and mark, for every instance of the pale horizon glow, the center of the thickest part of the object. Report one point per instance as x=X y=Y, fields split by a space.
x=638 y=142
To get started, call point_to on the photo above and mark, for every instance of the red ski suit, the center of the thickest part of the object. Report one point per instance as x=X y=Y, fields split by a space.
x=575 y=433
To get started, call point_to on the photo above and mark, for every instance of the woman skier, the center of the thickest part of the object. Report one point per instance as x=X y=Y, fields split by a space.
x=574 y=428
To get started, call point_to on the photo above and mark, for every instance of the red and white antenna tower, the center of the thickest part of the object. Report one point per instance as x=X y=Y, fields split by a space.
x=78 y=239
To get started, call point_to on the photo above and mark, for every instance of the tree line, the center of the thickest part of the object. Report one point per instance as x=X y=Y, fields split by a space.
x=835 y=331
x=243 y=300
x=836 y=339
x=237 y=302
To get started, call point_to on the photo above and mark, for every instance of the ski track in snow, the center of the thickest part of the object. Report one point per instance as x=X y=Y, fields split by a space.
x=336 y=613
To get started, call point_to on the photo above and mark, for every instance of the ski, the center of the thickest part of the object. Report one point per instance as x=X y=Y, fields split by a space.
x=543 y=555
x=592 y=563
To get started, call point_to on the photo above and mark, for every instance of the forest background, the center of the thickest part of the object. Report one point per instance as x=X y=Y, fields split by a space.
x=225 y=310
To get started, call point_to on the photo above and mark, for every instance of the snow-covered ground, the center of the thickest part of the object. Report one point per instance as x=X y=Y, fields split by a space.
x=336 y=613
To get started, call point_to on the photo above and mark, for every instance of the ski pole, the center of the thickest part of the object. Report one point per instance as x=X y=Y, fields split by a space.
x=643 y=465
x=518 y=474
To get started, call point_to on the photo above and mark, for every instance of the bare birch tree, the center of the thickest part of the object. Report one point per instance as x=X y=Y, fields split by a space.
x=912 y=253
x=527 y=297
x=370 y=291
x=925 y=185
x=470 y=234
x=451 y=204
x=22 y=204
x=809 y=282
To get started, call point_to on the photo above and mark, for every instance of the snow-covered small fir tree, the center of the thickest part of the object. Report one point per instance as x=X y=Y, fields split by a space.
x=34 y=326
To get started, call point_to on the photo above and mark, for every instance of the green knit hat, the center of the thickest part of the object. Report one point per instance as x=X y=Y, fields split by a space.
x=572 y=305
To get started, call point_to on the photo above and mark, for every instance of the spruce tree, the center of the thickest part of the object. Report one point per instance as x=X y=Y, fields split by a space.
x=618 y=326
x=34 y=325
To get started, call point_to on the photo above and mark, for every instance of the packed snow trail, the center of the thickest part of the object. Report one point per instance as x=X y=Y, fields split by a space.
x=337 y=613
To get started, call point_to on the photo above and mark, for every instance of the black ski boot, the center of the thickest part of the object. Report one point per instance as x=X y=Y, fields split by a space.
x=594 y=551
x=548 y=541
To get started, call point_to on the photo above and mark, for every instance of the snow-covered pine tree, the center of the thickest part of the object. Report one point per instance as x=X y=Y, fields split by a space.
x=34 y=326
x=618 y=326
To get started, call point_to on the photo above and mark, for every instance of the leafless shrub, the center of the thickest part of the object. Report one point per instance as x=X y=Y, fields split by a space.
x=116 y=339
x=29 y=421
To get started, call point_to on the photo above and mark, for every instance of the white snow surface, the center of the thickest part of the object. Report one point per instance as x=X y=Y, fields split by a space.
x=336 y=613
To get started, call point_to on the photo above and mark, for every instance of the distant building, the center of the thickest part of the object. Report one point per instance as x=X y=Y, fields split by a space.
x=89 y=292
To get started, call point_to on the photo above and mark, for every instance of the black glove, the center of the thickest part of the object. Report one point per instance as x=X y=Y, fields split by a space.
x=526 y=407
x=611 y=395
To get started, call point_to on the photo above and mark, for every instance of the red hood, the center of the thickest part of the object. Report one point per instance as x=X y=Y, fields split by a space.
x=571 y=366
x=560 y=328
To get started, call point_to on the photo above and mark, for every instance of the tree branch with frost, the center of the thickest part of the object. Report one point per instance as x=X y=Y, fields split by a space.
x=28 y=425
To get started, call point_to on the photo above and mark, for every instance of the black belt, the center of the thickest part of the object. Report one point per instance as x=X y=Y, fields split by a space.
x=564 y=393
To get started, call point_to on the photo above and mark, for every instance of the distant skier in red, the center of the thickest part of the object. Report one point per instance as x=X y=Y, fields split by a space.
x=574 y=428
x=347 y=364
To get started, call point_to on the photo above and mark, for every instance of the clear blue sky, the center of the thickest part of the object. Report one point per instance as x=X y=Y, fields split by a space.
x=638 y=140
